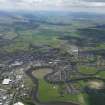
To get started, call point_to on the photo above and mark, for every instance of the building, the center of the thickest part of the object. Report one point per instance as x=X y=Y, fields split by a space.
x=19 y=103
x=17 y=63
x=75 y=50
x=6 y=81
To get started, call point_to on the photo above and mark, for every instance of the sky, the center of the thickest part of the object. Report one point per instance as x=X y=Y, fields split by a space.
x=71 y=5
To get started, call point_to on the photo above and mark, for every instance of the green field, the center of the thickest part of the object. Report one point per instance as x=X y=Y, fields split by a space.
x=49 y=92
x=87 y=70
x=101 y=74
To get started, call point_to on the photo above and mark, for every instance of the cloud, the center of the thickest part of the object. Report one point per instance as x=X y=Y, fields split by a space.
x=95 y=0
x=73 y=5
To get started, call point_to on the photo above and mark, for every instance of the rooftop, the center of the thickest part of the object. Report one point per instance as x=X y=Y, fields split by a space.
x=19 y=103
x=6 y=81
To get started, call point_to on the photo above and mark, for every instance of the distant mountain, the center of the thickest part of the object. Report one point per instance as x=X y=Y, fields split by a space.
x=86 y=15
x=63 y=16
x=50 y=17
x=44 y=14
x=3 y=13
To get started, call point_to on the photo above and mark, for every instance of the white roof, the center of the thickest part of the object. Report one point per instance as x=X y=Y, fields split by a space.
x=17 y=63
x=6 y=81
x=50 y=62
x=75 y=50
x=18 y=103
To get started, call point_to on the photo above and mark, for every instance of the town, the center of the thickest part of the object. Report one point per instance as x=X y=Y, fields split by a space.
x=14 y=73
x=52 y=57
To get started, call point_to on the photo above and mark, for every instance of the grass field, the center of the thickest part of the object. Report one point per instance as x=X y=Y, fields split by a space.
x=87 y=70
x=50 y=92
x=25 y=38
x=102 y=74
x=40 y=73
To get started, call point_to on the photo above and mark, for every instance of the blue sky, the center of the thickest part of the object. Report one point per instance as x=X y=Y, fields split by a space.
x=72 y=5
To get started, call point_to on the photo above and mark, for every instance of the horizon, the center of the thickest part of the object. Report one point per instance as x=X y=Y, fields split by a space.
x=94 y=6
